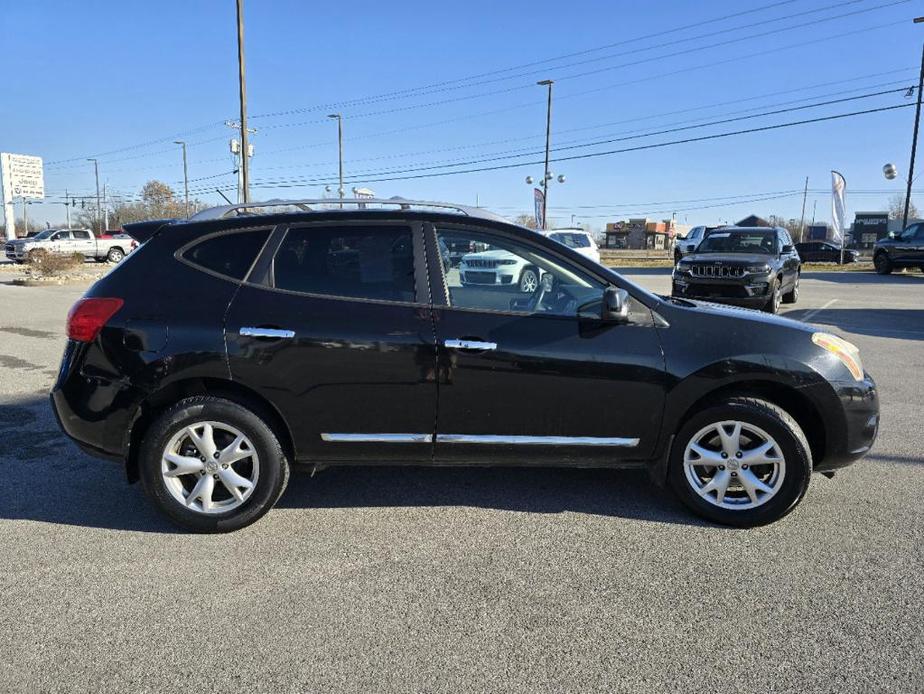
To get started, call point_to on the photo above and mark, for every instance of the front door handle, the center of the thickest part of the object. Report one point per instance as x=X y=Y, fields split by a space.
x=275 y=333
x=470 y=344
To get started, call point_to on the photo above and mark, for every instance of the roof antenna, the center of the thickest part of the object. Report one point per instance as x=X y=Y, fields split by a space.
x=224 y=196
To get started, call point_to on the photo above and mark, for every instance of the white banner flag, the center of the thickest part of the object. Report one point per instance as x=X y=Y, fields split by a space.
x=838 y=207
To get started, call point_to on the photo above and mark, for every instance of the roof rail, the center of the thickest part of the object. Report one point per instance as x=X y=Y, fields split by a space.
x=337 y=205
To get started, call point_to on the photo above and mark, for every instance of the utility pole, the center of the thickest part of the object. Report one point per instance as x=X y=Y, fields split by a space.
x=339 y=118
x=67 y=207
x=245 y=164
x=814 y=207
x=185 y=175
x=548 y=130
x=802 y=221
x=98 y=207
x=105 y=212
x=914 y=138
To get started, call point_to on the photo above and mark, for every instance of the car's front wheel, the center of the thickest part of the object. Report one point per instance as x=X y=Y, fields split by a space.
x=792 y=296
x=212 y=465
x=741 y=462
x=882 y=263
x=775 y=299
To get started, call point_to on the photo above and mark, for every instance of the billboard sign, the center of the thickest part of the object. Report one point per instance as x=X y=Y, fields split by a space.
x=23 y=176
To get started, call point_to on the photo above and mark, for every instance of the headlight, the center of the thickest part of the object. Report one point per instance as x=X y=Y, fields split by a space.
x=848 y=353
x=759 y=269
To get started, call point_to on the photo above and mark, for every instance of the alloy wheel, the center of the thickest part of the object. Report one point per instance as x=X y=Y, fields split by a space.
x=734 y=465
x=210 y=467
x=528 y=282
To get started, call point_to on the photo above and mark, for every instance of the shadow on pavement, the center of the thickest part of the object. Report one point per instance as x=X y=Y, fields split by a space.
x=47 y=478
x=906 y=324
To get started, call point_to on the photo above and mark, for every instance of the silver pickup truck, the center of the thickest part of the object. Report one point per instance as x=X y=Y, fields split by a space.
x=67 y=241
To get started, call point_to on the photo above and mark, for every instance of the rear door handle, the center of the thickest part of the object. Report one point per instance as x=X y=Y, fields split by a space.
x=470 y=344
x=275 y=333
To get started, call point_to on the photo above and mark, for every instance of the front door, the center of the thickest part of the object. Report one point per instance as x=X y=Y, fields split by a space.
x=522 y=378
x=336 y=333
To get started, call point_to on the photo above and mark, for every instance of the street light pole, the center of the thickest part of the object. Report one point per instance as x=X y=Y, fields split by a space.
x=548 y=132
x=185 y=175
x=98 y=207
x=245 y=164
x=339 y=118
x=914 y=140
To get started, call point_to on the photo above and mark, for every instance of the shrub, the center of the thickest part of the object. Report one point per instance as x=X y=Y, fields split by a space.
x=45 y=264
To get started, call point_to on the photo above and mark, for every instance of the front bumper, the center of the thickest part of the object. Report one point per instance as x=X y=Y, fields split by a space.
x=753 y=293
x=854 y=432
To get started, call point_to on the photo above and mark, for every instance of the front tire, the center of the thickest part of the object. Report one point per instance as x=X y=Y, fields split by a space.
x=792 y=296
x=212 y=465
x=742 y=462
x=776 y=298
x=883 y=264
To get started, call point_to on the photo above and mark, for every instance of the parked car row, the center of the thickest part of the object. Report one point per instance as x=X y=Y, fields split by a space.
x=69 y=241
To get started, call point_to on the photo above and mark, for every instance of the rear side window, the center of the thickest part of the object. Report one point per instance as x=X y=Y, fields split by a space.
x=230 y=254
x=356 y=262
x=81 y=234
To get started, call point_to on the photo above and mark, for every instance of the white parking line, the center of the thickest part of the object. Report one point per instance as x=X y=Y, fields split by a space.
x=811 y=314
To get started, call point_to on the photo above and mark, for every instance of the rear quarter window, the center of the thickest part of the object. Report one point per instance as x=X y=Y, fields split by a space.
x=230 y=254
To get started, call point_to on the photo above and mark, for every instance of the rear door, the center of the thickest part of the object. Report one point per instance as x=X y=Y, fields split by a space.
x=84 y=243
x=522 y=379
x=333 y=328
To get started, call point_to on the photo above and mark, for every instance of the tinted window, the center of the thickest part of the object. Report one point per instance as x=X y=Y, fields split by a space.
x=571 y=240
x=500 y=274
x=230 y=254
x=359 y=262
x=81 y=234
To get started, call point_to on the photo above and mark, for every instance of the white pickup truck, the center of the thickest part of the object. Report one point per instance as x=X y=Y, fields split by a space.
x=68 y=241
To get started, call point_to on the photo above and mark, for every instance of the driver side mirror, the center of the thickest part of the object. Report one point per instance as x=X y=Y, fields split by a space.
x=893 y=234
x=612 y=307
x=786 y=249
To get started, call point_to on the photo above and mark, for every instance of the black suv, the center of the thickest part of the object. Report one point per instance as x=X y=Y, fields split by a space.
x=755 y=267
x=900 y=250
x=228 y=348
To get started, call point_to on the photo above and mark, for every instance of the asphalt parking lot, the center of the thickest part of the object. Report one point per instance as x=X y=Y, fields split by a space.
x=466 y=579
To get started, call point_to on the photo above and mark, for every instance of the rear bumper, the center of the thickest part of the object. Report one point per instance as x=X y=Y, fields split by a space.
x=92 y=409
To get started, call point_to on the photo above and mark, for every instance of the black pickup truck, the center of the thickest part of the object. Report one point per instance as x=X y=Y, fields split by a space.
x=900 y=250
x=755 y=267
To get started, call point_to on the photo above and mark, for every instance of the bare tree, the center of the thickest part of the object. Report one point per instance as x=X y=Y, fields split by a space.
x=790 y=225
x=157 y=201
x=526 y=220
x=897 y=208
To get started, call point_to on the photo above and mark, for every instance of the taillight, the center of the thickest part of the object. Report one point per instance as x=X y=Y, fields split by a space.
x=88 y=316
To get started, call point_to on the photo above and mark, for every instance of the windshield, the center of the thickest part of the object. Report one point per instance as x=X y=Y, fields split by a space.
x=739 y=242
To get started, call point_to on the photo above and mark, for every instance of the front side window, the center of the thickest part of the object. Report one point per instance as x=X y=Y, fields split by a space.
x=61 y=236
x=230 y=254
x=358 y=262
x=500 y=274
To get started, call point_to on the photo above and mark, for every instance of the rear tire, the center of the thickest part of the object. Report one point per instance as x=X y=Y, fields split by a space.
x=883 y=264
x=761 y=423
x=115 y=255
x=263 y=465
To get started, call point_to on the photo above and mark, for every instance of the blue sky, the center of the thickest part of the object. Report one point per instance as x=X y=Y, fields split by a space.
x=121 y=80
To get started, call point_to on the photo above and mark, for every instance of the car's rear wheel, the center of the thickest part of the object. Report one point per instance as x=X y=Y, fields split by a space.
x=792 y=296
x=212 y=465
x=742 y=462
x=529 y=281
x=882 y=263
x=776 y=297
x=115 y=255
